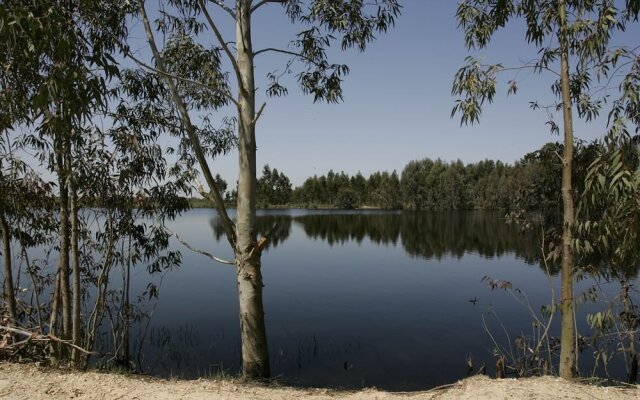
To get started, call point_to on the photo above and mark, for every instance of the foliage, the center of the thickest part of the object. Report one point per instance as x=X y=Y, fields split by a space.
x=529 y=186
x=531 y=353
x=609 y=209
x=274 y=188
x=351 y=24
x=60 y=81
x=183 y=24
x=573 y=41
x=347 y=199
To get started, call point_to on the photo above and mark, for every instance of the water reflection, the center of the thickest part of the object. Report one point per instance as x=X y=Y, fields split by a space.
x=264 y=225
x=425 y=235
x=352 y=298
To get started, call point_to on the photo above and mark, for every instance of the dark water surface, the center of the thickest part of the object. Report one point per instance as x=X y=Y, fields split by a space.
x=352 y=299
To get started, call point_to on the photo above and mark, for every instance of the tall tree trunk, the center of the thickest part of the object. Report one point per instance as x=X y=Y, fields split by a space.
x=567 y=337
x=255 y=354
x=255 y=358
x=9 y=292
x=64 y=232
x=75 y=264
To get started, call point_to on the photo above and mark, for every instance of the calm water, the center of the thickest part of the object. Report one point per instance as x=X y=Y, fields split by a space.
x=352 y=299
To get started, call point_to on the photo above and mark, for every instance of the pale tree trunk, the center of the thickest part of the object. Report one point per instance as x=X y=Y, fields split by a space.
x=255 y=355
x=9 y=292
x=75 y=265
x=567 y=338
x=242 y=237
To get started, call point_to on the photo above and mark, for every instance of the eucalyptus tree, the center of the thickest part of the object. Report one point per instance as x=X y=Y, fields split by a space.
x=608 y=227
x=26 y=202
x=18 y=81
x=68 y=49
x=573 y=39
x=350 y=23
x=607 y=233
x=8 y=184
x=136 y=190
x=58 y=86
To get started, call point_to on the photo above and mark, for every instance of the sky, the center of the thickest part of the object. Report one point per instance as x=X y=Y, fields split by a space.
x=397 y=100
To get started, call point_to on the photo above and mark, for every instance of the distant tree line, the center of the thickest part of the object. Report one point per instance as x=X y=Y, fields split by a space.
x=530 y=184
x=274 y=188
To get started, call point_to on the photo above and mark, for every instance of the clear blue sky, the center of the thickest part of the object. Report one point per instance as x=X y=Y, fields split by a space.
x=397 y=100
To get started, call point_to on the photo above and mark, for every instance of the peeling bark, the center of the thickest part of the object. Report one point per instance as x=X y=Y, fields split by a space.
x=255 y=355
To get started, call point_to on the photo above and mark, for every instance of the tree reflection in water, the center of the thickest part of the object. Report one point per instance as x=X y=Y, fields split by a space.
x=429 y=235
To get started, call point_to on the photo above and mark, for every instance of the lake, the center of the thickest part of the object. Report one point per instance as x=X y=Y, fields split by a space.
x=353 y=299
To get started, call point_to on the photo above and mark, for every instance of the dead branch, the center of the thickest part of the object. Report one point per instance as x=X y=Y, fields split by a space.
x=204 y=253
x=32 y=336
x=262 y=243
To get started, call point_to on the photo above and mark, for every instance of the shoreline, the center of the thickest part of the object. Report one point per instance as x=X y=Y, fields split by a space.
x=28 y=381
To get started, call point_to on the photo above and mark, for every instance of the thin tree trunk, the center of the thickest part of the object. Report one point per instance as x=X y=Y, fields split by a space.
x=75 y=266
x=53 y=318
x=95 y=317
x=36 y=289
x=633 y=362
x=567 y=337
x=255 y=355
x=126 y=308
x=9 y=292
x=194 y=140
x=64 y=232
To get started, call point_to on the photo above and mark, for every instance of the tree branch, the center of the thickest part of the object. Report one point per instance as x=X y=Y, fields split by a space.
x=262 y=243
x=220 y=3
x=180 y=78
x=204 y=253
x=222 y=42
x=216 y=198
x=259 y=113
x=263 y=2
x=291 y=53
x=35 y=336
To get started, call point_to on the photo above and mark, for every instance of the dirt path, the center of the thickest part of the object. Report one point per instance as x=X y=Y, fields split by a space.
x=31 y=382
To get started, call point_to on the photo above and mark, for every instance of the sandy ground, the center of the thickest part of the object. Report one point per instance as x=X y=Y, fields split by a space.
x=31 y=382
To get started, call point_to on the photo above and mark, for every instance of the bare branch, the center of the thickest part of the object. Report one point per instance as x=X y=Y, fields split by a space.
x=259 y=113
x=291 y=53
x=35 y=336
x=263 y=2
x=529 y=66
x=220 y=3
x=204 y=253
x=180 y=78
x=215 y=196
x=262 y=243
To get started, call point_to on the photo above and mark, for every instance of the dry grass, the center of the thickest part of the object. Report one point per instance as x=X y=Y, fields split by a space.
x=31 y=382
